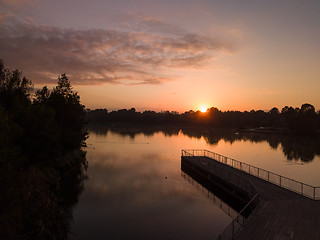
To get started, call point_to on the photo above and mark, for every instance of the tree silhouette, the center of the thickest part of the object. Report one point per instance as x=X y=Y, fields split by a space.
x=42 y=164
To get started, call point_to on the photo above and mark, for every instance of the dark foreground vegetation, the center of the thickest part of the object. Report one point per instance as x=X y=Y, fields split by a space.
x=294 y=120
x=42 y=165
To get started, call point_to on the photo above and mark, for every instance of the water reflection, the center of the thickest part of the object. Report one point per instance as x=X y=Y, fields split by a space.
x=225 y=202
x=37 y=202
x=135 y=191
x=294 y=147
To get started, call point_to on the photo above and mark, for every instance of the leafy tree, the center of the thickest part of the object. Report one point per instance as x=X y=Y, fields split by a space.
x=290 y=115
x=69 y=112
x=307 y=119
x=42 y=96
x=42 y=165
x=14 y=89
x=307 y=109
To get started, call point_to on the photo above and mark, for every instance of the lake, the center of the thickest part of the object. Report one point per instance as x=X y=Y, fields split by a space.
x=136 y=189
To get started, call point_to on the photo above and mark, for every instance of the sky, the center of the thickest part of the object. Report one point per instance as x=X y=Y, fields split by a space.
x=175 y=55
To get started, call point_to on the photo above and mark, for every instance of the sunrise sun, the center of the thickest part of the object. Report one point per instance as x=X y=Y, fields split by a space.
x=203 y=109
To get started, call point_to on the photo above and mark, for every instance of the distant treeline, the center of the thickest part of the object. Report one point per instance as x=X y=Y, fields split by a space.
x=42 y=165
x=300 y=120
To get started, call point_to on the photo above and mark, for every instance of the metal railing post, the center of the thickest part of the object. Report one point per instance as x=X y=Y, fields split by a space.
x=280 y=180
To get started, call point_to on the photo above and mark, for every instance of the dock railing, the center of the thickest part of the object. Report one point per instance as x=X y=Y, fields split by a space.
x=287 y=183
x=238 y=222
x=239 y=218
x=227 y=176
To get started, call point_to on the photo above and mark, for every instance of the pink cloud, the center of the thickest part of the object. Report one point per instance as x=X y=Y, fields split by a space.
x=98 y=56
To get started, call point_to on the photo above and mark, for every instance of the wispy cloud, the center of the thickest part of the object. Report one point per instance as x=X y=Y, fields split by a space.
x=137 y=55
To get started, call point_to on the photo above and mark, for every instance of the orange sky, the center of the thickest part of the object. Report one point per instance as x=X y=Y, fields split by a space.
x=169 y=55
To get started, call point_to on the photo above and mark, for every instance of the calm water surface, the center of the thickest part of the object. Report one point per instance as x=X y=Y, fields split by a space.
x=136 y=189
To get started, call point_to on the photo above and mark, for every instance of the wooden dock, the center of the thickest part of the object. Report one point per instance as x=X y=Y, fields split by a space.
x=286 y=209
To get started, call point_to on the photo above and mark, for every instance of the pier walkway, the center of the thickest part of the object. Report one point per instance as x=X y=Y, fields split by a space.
x=283 y=208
